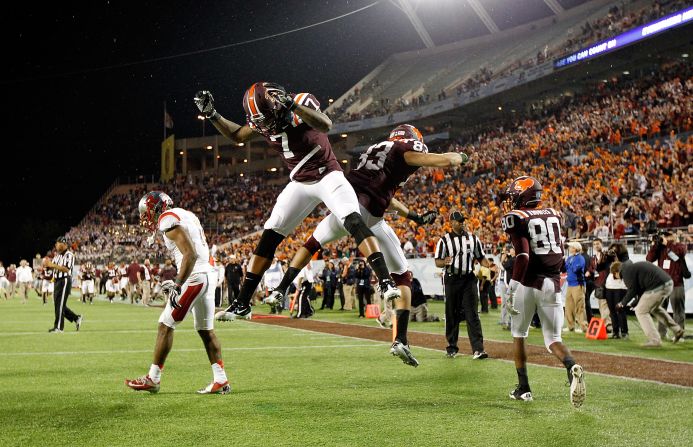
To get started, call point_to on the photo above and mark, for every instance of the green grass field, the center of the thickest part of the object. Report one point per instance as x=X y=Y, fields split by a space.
x=294 y=387
x=682 y=352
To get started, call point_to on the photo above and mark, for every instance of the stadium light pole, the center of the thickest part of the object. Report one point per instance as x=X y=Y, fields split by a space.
x=410 y=12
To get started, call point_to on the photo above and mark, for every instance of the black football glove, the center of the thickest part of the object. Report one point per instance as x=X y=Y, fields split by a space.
x=205 y=103
x=427 y=218
x=283 y=99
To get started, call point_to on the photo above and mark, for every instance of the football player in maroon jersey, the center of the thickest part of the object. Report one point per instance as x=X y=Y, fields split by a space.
x=535 y=233
x=381 y=171
x=294 y=126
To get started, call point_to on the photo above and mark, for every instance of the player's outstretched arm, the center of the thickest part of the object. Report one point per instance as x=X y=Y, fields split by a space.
x=402 y=210
x=235 y=132
x=446 y=160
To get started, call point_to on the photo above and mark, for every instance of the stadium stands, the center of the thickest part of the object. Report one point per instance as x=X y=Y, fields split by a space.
x=408 y=80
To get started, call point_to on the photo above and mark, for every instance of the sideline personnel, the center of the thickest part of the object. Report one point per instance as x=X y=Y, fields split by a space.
x=62 y=265
x=456 y=252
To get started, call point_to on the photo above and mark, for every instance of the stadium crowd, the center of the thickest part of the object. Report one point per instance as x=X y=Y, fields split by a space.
x=617 y=20
x=574 y=145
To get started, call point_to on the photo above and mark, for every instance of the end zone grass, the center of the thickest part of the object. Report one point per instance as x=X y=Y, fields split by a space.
x=294 y=387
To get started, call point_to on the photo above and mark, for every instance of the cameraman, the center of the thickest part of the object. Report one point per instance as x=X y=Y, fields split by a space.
x=653 y=285
x=362 y=277
x=671 y=257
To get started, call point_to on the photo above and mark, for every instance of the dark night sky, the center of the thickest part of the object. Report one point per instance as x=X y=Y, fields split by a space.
x=70 y=130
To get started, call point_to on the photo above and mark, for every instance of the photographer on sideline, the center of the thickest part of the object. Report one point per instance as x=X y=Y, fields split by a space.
x=671 y=257
x=652 y=285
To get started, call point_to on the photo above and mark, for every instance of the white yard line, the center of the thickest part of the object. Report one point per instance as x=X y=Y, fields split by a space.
x=141 y=351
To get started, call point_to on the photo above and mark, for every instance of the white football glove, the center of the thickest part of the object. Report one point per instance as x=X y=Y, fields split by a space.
x=509 y=300
x=205 y=103
x=171 y=291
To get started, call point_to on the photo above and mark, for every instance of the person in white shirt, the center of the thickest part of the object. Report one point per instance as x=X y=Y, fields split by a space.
x=304 y=285
x=24 y=279
x=4 y=283
x=271 y=279
x=219 y=290
x=192 y=290
x=615 y=290
x=146 y=284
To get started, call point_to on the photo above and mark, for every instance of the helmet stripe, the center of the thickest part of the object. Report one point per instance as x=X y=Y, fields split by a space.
x=251 y=100
x=170 y=213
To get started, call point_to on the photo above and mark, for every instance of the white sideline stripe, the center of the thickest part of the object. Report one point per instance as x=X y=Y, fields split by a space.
x=613 y=354
x=141 y=351
x=589 y=373
x=137 y=331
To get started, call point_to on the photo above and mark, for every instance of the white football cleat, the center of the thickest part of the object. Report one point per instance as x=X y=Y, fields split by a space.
x=274 y=298
x=216 y=388
x=577 y=386
x=390 y=290
x=224 y=316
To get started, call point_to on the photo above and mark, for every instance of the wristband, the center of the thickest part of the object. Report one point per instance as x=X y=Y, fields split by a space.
x=178 y=282
x=411 y=215
x=215 y=116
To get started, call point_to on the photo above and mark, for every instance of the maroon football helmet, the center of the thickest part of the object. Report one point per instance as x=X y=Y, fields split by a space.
x=151 y=206
x=523 y=192
x=262 y=111
x=405 y=132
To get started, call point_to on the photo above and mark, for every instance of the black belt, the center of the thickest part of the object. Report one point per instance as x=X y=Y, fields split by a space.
x=64 y=277
x=459 y=275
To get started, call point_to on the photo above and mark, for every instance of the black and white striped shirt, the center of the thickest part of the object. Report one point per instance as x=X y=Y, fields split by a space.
x=463 y=249
x=66 y=259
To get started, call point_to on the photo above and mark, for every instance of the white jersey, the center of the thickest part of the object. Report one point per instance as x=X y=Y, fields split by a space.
x=191 y=224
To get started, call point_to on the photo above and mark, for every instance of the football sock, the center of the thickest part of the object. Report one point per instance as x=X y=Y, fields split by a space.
x=522 y=377
x=155 y=372
x=402 y=324
x=219 y=373
x=568 y=361
x=248 y=288
x=289 y=276
x=377 y=263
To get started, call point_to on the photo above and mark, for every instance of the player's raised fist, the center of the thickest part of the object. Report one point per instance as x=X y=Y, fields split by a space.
x=205 y=103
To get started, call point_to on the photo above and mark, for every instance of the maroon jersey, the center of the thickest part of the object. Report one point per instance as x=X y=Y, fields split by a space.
x=168 y=272
x=542 y=229
x=87 y=273
x=305 y=151
x=47 y=274
x=381 y=171
x=112 y=274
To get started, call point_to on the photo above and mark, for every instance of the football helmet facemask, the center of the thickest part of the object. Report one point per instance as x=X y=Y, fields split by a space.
x=264 y=113
x=523 y=192
x=151 y=206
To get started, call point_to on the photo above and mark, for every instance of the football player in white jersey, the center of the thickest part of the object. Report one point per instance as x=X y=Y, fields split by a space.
x=191 y=290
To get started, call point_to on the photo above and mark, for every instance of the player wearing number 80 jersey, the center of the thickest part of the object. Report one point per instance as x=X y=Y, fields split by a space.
x=536 y=237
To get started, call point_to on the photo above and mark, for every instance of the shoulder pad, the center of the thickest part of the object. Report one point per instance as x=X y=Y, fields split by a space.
x=511 y=221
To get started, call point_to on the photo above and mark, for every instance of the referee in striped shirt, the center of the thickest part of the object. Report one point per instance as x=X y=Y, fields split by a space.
x=62 y=265
x=456 y=253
